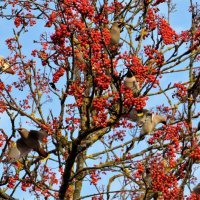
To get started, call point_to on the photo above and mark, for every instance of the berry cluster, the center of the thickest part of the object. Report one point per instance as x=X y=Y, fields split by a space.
x=181 y=90
x=58 y=74
x=94 y=177
x=168 y=34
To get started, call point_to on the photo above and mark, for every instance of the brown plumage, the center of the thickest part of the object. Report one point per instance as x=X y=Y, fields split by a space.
x=115 y=33
x=17 y=151
x=151 y=122
x=138 y=116
x=114 y=39
x=5 y=67
x=131 y=82
x=196 y=189
x=30 y=140
x=147 y=120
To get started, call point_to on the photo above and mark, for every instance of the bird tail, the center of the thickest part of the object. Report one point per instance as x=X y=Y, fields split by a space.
x=141 y=137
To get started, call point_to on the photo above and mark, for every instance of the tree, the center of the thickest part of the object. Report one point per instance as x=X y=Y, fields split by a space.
x=81 y=82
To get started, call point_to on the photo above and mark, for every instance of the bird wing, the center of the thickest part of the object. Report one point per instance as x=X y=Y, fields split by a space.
x=38 y=135
x=133 y=115
x=115 y=34
x=148 y=126
x=18 y=151
x=159 y=119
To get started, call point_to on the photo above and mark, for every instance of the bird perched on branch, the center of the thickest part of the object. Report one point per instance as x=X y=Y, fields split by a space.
x=138 y=116
x=5 y=67
x=30 y=140
x=17 y=150
x=150 y=121
x=114 y=37
x=131 y=82
x=115 y=33
x=147 y=120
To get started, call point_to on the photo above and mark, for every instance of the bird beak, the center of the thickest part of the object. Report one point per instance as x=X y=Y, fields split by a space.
x=18 y=129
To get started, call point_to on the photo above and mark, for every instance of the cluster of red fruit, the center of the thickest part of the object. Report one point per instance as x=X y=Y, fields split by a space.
x=151 y=19
x=2 y=140
x=119 y=135
x=182 y=90
x=2 y=87
x=12 y=181
x=154 y=54
x=58 y=74
x=3 y=107
x=140 y=102
x=196 y=153
x=168 y=34
x=103 y=81
x=99 y=103
x=162 y=181
x=26 y=184
x=140 y=170
x=94 y=177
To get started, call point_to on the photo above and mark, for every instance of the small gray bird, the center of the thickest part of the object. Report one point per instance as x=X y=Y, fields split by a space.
x=196 y=189
x=147 y=120
x=5 y=67
x=114 y=38
x=30 y=140
x=138 y=116
x=115 y=33
x=17 y=151
x=131 y=82
x=147 y=178
x=150 y=121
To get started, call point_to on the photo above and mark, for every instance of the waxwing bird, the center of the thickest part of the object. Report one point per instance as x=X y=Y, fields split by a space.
x=115 y=33
x=114 y=37
x=32 y=140
x=148 y=185
x=138 y=116
x=196 y=190
x=150 y=122
x=131 y=82
x=5 y=67
x=147 y=178
x=17 y=151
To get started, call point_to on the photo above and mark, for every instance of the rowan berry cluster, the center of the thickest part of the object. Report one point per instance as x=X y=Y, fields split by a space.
x=181 y=90
x=2 y=87
x=94 y=177
x=168 y=34
x=58 y=74
x=12 y=181
x=151 y=19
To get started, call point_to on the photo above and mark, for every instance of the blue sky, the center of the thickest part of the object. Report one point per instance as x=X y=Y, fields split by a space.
x=180 y=20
